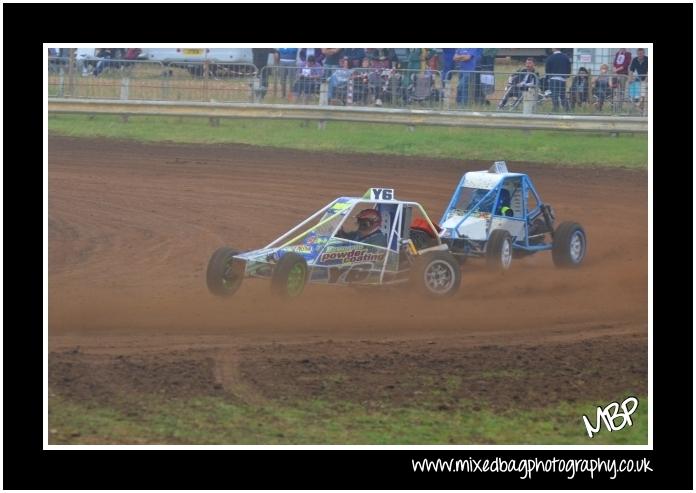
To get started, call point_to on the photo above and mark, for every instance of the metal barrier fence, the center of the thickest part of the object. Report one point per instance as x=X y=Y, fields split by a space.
x=389 y=88
x=147 y=80
x=582 y=94
x=324 y=113
x=395 y=88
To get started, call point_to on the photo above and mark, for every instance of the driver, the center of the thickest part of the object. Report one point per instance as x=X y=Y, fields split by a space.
x=477 y=196
x=369 y=223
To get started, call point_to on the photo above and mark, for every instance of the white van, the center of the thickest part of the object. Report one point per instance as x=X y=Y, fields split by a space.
x=185 y=55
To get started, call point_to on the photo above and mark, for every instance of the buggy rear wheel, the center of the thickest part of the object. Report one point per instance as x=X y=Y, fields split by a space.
x=569 y=245
x=220 y=278
x=289 y=276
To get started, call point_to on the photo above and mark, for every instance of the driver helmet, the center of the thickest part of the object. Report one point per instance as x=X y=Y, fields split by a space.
x=369 y=220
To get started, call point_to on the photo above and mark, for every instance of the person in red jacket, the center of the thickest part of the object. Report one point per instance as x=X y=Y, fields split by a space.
x=622 y=60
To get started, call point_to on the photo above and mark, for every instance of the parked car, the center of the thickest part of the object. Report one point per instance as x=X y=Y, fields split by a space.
x=194 y=58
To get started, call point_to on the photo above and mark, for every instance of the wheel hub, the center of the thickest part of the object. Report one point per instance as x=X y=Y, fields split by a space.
x=439 y=277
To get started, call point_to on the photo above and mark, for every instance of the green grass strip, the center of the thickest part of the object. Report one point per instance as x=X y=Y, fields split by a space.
x=213 y=420
x=562 y=148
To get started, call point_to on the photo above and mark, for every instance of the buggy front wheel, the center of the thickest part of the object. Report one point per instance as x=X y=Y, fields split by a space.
x=220 y=278
x=436 y=274
x=499 y=251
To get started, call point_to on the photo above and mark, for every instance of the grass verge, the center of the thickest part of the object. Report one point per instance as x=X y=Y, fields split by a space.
x=214 y=420
x=562 y=148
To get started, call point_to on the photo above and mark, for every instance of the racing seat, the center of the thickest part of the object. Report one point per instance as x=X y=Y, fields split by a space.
x=422 y=234
x=504 y=206
x=516 y=202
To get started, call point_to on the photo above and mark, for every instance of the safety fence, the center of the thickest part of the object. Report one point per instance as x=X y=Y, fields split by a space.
x=147 y=80
x=486 y=91
x=324 y=113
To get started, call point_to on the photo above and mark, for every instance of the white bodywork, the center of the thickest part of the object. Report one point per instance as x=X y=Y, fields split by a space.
x=477 y=226
x=474 y=227
x=482 y=179
x=515 y=228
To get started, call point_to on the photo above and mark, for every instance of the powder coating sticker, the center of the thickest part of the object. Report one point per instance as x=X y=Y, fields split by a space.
x=337 y=255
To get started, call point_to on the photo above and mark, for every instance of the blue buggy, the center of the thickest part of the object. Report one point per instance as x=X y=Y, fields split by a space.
x=499 y=215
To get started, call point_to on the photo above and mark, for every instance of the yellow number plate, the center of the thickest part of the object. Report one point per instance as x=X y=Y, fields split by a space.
x=190 y=51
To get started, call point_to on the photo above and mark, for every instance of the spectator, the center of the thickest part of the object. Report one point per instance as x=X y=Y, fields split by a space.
x=132 y=54
x=381 y=58
x=522 y=80
x=355 y=55
x=580 y=88
x=603 y=86
x=54 y=64
x=332 y=60
x=380 y=74
x=622 y=60
x=371 y=53
x=338 y=81
x=288 y=67
x=260 y=61
x=309 y=81
x=105 y=55
x=485 y=76
x=433 y=58
x=361 y=82
x=305 y=53
x=639 y=66
x=466 y=60
x=447 y=64
x=558 y=69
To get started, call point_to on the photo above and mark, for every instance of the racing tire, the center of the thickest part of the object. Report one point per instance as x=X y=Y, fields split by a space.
x=436 y=274
x=569 y=245
x=219 y=277
x=499 y=251
x=289 y=276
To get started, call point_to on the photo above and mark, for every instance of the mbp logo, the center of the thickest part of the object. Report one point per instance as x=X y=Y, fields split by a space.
x=609 y=414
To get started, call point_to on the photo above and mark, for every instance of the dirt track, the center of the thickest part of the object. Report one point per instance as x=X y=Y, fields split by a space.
x=131 y=228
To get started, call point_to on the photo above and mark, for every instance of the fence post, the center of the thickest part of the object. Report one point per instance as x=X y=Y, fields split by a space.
x=349 y=93
x=206 y=89
x=446 y=98
x=323 y=93
x=256 y=90
x=61 y=83
x=71 y=70
x=529 y=98
x=125 y=82
x=276 y=74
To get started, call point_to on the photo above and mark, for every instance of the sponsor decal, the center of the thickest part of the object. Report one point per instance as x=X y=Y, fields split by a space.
x=350 y=254
x=300 y=249
x=314 y=239
x=338 y=207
